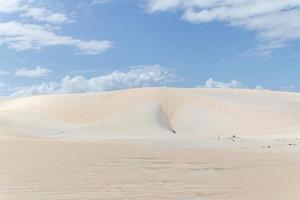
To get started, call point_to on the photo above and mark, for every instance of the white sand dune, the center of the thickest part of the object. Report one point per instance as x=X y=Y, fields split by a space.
x=121 y=145
x=153 y=112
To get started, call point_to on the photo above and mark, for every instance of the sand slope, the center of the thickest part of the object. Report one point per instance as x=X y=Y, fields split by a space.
x=120 y=145
x=153 y=112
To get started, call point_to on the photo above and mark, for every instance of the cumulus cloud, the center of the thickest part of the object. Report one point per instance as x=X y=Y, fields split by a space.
x=234 y=84
x=276 y=22
x=140 y=76
x=36 y=72
x=259 y=87
x=211 y=83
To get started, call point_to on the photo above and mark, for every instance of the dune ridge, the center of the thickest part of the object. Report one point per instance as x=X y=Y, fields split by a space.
x=153 y=112
x=151 y=143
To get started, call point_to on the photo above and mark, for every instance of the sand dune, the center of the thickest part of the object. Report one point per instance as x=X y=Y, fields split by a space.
x=121 y=145
x=153 y=112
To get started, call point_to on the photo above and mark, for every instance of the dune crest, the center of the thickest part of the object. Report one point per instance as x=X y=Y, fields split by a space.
x=153 y=112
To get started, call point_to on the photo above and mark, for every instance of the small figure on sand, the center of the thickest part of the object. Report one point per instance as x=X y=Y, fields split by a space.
x=233 y=137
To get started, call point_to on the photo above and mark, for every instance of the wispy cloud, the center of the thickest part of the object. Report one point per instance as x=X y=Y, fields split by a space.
x=42 y=14
x=20 y=35
x=140 y=76
x=290 y=88
x=36 y=72
x=26 y=8
x=3 y=73
x=276 y=22
x=100 y=1
x=2 y=85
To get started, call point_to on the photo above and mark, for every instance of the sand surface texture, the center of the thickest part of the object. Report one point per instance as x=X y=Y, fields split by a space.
x=152 y=143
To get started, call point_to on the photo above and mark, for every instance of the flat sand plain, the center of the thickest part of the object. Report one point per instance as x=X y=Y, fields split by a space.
x=135 y=169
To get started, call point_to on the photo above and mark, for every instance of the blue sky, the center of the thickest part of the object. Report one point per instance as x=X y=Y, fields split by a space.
x=57 y=46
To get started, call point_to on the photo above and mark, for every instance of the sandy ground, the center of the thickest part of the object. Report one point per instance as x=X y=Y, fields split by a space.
x=137 y=169
x=151 y=144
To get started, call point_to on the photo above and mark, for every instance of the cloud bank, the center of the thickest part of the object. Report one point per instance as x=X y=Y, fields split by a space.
x=276 y=22
x=140 y=76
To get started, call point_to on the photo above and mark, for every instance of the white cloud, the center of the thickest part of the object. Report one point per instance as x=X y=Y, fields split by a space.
x=234 y=84
x=42 y=14
x=3 y=73
x=163 y=5
x=9 y=6
x=140 y=76
x=100 y=1
x=211 y=83
x=2 y=84
x=93 y=47
x=36 y=72
x=25 y=8
x=276 y=22
x=22 y=36
x=290 y=88
x=259 y=87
